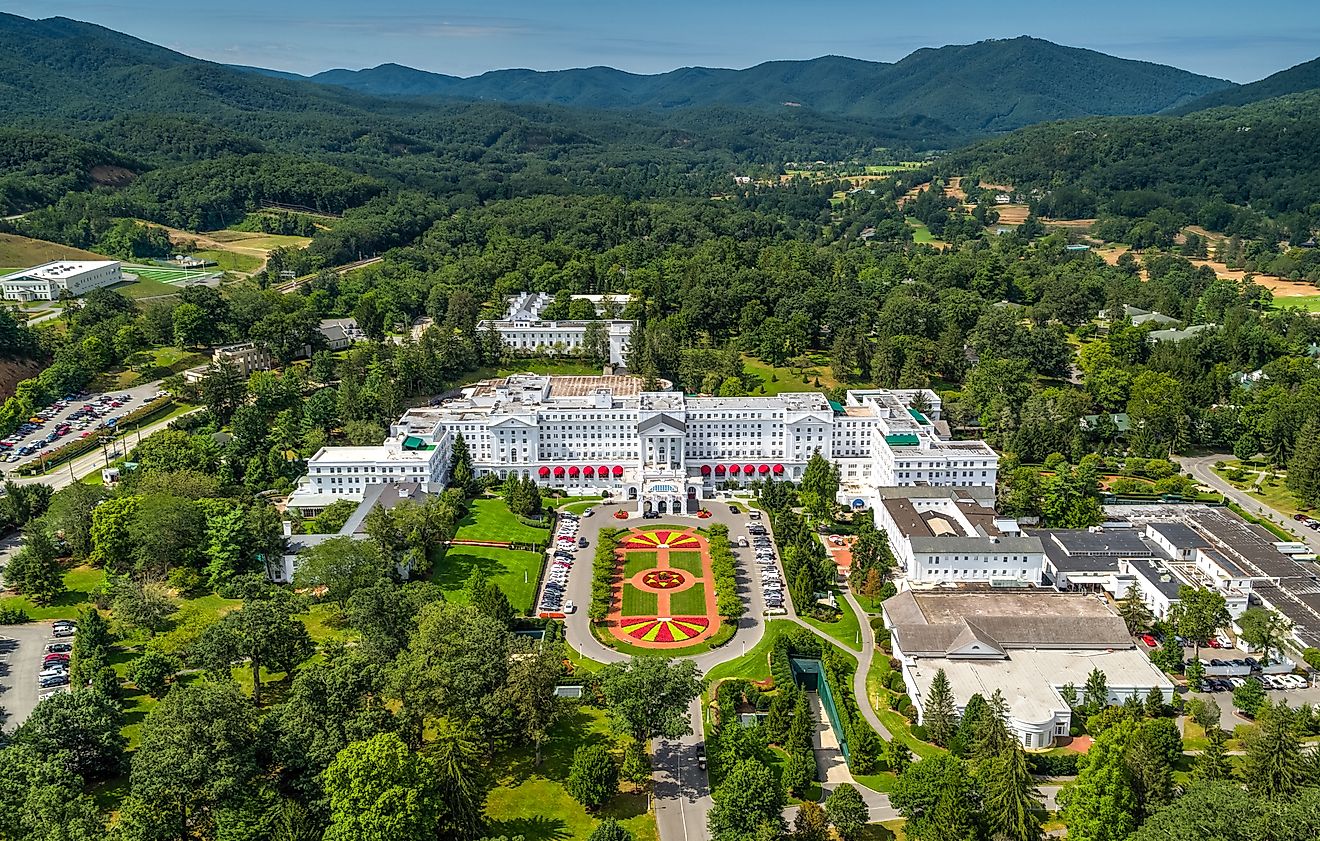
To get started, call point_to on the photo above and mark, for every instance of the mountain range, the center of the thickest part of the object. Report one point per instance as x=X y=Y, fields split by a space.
x=989 y=86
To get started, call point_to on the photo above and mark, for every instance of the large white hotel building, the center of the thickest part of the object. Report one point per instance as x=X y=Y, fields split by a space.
x=659 y=450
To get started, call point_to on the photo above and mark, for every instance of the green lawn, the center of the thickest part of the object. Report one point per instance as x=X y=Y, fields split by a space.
x=689 y=602
x=531 y=802
x=755 y=664
x=145 y=287
x=635 y=561
x=549 y=367
x=230 y=261
x=491 y=519
x=687 y=561
x=165 y=274
x=775 y=380
x=576 y=504
x=846 y=630
x=1309 y=303
x=514 y=571
x=80 y=582
x=638 y=602
x=893 y=722
x=920 y=233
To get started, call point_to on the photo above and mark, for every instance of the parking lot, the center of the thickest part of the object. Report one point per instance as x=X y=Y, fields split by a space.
x=67 y=420
x=22 y=648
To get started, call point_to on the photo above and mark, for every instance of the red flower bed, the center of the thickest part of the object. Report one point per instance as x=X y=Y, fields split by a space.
x=663 y=579
x=620 y=515
x=703 y=514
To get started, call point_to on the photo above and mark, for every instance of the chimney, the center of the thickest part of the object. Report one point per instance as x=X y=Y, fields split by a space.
x=288 y=528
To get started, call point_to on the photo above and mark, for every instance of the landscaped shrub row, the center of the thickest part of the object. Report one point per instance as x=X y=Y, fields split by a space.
x=78 y=446
x=1053 y=764
x=863 y=742
x=602 y=574
x=727 y=602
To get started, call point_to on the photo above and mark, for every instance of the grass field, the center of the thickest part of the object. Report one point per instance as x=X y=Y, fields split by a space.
x=264 y=242
x=779 y=380
x=25 y=252
x=847 y=630
x=514 y=571
x=80 y=581
x=638 y=602
x=531 y=802
x=635 y=562
x=686 y=561
x=574 y=504
x=755 y=664
x=1310 y=303
x=885 y=169
x=689 y=602
x=229 y=261
x=920 y=233
x=491 y=519
x=165 y=275
x=145 y=287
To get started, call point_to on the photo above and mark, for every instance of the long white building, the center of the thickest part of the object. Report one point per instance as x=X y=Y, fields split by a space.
x=664 y=450
x=523 y=329
x=49 y=281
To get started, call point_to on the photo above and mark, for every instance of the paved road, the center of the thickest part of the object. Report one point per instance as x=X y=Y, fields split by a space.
x=1200 y=468
x=84 y=465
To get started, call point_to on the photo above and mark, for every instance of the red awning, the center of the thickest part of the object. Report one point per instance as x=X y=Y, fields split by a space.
x=588 y=471
x=559 y=471
x=765 y=468
x=749 y=469
x=779 y=468
x=705 y=470
x=544 y=471
x=602 y=471
x=573 y=471
x=719 y=468
x=618 y=470
x=733 y=468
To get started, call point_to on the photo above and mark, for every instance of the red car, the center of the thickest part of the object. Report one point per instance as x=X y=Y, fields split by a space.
x=1150 y=641
x=54 y=658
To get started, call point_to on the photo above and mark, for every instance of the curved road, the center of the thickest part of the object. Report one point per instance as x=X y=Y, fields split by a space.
x=681 y=791
x=1201 y=469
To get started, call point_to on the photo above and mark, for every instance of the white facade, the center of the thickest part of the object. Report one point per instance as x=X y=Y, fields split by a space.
x=523 y=329
x=945 y=538
x=49 y=281
x=606 y=436
x=336 y=473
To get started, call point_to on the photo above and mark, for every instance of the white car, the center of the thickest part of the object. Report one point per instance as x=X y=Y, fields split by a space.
x=53 y=670
x=569 y=607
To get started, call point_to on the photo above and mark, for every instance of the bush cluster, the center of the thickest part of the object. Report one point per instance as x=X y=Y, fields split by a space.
x=602 y=574
x=727 y=602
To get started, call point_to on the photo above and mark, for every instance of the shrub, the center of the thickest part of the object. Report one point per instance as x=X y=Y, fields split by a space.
x=13 y=616
x=919 y=732
x=1053 y=764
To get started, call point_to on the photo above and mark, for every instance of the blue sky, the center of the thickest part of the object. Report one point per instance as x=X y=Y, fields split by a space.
x=1232 y=40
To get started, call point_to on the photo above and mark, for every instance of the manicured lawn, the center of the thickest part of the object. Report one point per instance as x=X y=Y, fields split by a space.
x=635 y=562
x=145 y=287
x=893 y=722
x=1309 y=303
x=531 y=802
x=686 y=561
x=229 y=261
x=325 y=624
x=549 y=367
x=514 y=571
x=689 y=602
x=762 y=375
x=491 y=519
x=920 y=233
x=166 y=274
x=846 y=630
x=887 y=831
x=638 y=602
x=755 y=664
x=576 y=504
x=80 y=582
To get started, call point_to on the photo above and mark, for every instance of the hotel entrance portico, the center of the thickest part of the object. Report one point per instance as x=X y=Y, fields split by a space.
x=669 y=495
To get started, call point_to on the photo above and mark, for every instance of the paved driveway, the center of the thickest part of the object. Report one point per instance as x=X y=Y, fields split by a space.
x=21 y=649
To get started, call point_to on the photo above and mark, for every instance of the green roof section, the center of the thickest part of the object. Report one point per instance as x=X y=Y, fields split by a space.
x=412 y=442
x=918 y=416
x=836 y=406
x=903 y=439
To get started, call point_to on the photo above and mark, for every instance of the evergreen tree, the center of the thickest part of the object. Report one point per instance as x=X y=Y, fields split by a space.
x=1011 y=801
x=460 y=466
x=1304 y=466
x=1212 y=764
x=1136 y=615
x=1273 y=765
x=609 y=830
x=939 y=715
x=974 y=712
x=1154 y=703
x=1095 y=695
x=810 y=823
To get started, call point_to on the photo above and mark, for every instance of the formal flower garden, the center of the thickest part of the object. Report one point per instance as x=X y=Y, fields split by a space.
x=665 y=630
x=664 y=590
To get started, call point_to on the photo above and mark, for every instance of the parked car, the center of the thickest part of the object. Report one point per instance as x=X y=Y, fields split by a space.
x=1149 y=640
x=588 y=512
x=59 y=648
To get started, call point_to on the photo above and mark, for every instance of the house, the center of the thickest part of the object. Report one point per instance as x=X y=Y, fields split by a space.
x=381 y=495
x=1028 y=645
x=1157 y=336
x=339 y=333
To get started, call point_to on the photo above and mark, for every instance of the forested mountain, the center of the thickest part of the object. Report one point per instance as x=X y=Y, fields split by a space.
x=988 y=86
x=1303 y=77
x=1227 y=169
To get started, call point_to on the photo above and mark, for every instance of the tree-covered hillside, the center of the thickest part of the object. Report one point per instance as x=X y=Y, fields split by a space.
x=988 y=86
x=1303 y=77
x=1206 y=168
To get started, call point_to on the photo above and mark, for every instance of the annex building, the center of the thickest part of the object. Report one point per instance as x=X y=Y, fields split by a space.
x=661 y=450
x=1027 y=644
x=50 y=281
x=523 y=329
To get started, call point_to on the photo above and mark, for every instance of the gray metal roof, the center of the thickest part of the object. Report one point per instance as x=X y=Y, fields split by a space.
x=1181 y=535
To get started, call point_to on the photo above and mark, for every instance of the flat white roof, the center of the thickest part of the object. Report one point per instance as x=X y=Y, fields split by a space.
x=1029 y=677
x=60 y=269
x=363 y=455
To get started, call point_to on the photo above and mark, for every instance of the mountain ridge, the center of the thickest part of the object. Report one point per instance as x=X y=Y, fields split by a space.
x=989 y=86
x=1296 y=79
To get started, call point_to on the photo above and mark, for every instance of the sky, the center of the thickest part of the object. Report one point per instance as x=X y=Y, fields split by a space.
x=1231 y=40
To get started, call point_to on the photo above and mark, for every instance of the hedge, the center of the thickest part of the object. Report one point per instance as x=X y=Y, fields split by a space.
x=838 y=670
x=727 y=602
x=603 y=566
x=1052 y=764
